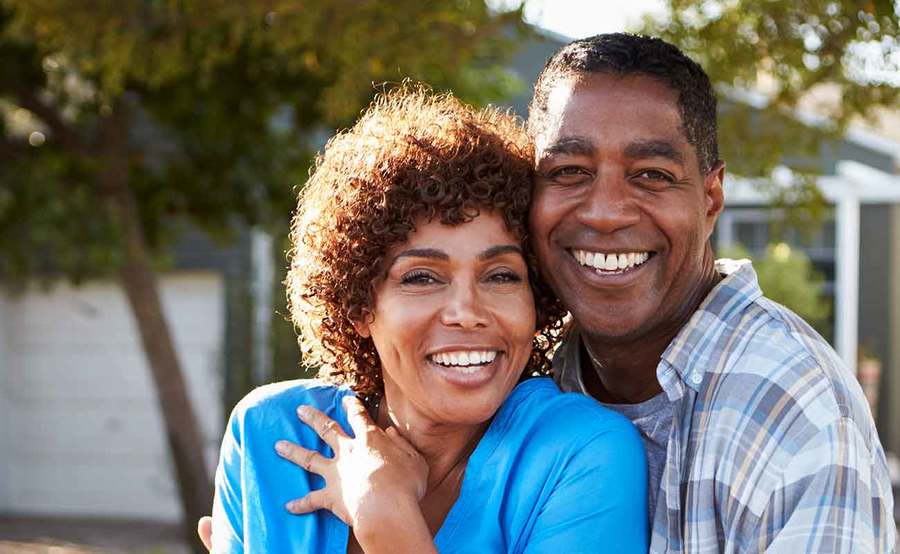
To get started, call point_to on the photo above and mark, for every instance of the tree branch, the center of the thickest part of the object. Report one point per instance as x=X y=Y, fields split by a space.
x=61 y=131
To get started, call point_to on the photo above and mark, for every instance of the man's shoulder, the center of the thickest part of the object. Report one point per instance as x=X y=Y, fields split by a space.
x=781 y=367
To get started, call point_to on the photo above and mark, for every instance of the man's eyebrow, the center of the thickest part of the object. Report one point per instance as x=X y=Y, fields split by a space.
x=654 y=149
x=499 y=250
x=432 y=253
x=575 y=146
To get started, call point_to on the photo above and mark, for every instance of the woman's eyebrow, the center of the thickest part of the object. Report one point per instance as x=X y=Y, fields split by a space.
x=499 y=250
x=432 y=253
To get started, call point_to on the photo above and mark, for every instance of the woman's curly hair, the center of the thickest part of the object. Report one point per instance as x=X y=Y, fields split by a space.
x=412 y=154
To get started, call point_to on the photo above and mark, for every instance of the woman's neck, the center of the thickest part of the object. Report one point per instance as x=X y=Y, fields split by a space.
x=445 y=447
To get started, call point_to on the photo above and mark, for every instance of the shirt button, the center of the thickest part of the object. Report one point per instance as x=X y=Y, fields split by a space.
x=697 y=378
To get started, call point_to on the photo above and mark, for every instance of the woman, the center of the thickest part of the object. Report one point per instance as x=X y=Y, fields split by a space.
x=412 y=287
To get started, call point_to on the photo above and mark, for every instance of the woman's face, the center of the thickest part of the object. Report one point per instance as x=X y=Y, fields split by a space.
x=453 y=320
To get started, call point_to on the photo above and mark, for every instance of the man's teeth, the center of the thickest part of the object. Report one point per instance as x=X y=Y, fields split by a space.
x=610 y=262
x=465 y=359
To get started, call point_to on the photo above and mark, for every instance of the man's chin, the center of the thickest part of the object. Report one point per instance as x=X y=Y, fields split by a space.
x=613 y=330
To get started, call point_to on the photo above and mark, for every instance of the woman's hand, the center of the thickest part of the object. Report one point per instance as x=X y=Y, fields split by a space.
x=372 y=478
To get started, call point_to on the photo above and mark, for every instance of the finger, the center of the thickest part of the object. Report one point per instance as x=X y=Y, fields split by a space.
x=310 y=460
x=315 y=500
x=357 y=415
x=204 y=529
x=328 y=429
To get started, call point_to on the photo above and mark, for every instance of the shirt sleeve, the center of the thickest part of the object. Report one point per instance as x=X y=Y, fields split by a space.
x=228 y=505
x=600 y=504
x=833 y=498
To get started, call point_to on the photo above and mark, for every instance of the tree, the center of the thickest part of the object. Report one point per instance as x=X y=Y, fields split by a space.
x=839 y=58
x=123 y=119
x=788 y=277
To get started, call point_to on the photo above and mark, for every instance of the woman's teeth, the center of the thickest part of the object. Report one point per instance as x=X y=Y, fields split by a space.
x=610 y=262
x=468 y=361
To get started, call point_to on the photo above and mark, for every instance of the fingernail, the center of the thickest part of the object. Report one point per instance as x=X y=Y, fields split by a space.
x=289 y=506
x=303 y=411
x=281 y=447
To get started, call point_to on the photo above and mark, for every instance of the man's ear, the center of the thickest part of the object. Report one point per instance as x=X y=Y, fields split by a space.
x=362 y=325
x=714 y=193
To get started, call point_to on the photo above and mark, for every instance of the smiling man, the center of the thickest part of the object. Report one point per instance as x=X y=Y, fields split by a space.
x=758 y=438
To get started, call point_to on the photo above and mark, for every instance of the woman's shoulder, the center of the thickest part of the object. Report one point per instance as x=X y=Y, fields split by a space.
x=538 y=419
x=283 y=398
x=538 y=408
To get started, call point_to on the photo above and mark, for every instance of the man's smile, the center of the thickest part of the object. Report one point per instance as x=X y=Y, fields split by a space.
x=610 y=262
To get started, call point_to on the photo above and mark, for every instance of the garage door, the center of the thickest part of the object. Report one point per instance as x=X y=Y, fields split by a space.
x=81 y=433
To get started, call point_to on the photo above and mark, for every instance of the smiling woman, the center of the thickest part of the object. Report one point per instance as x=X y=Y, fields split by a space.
x=413 y=287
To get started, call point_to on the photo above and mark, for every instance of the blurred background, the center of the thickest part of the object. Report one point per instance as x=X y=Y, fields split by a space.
x=151 y=151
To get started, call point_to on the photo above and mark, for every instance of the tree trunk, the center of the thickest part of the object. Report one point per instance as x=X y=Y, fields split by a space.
x=139 y=282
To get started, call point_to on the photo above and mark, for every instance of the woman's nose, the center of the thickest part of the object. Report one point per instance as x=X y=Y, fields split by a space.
x=465 y=308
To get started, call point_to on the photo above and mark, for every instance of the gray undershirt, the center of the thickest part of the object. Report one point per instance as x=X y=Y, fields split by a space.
x=653 y=419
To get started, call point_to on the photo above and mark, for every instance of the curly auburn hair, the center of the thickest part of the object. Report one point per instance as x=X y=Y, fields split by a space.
x=412 y=154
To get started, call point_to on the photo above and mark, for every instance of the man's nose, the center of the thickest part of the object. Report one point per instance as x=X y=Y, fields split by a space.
x=609 y=205
x=464 y=307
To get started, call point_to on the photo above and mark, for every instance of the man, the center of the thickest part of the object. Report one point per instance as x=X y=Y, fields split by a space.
x=758 y=438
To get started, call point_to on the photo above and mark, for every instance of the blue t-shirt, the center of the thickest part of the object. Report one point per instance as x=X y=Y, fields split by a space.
x=554 y=472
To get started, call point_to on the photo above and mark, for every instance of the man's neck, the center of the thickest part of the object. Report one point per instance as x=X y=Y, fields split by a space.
x=624 y=372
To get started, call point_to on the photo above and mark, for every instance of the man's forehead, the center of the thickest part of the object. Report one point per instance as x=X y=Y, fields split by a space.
x=583 y=106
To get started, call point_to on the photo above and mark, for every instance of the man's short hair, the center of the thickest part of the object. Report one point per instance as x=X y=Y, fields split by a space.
x=627 y=54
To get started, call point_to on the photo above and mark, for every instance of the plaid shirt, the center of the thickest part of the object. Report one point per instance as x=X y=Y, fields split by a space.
x=772 y=446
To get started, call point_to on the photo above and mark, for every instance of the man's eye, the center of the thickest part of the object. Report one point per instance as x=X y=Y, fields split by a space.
x=570 y=172
x=655 y=175
x=418 y=278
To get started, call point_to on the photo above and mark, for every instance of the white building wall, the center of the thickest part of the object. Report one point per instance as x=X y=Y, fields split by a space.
x=86 y=433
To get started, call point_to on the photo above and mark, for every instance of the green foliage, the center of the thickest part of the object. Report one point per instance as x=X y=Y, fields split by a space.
x=223 y=105
x=787 y=276
x=846 y=50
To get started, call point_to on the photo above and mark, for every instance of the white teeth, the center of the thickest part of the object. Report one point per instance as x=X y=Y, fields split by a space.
x=468 y=361
x=610 y=262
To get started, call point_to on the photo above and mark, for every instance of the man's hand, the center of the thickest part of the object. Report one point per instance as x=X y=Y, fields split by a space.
x=204 y=529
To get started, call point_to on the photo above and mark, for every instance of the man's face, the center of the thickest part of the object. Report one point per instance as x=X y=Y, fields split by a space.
x=622 y=214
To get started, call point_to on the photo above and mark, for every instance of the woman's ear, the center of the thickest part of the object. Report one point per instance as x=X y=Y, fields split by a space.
x=362 y=325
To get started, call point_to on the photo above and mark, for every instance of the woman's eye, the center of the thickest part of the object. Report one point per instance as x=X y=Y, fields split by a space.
x=505 y=277
x=418 y=278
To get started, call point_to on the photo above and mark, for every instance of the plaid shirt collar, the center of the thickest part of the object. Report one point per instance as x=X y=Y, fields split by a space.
x=694 y=349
